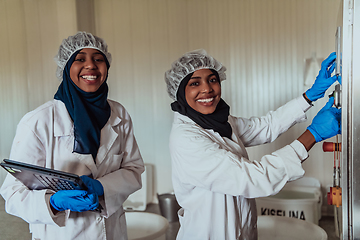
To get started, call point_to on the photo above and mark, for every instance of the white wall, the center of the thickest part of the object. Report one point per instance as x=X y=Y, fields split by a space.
x=30 y=34
x=263 y=43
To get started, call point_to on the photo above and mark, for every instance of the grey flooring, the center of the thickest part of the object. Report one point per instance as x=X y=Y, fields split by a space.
x=14 y=228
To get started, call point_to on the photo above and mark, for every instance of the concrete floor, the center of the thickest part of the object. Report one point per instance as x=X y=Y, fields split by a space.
x=11 y=227
x=14 y=228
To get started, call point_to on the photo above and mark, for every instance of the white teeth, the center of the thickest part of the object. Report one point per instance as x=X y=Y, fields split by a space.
x=89 y=77
x=205 y=100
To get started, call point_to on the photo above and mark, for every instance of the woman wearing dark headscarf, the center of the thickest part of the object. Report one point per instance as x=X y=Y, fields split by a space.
x=81 y=131
x=214 y=181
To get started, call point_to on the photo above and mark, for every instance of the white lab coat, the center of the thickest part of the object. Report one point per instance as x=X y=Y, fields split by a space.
x=45 y=137
x=214 y=181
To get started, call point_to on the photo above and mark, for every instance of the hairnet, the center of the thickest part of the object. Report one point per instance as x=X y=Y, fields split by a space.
x=76 y=42
x=189 y=63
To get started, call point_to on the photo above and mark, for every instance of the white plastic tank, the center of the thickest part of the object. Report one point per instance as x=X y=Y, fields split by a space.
x=280 y=228
x=146 y=226
x=301 y=199
x=139 y=199
x=143 y=225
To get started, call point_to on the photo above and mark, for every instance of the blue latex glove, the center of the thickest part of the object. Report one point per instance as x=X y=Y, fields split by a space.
x=326 y=123
x=74 y=200
x=324 y=80
x=93 y=185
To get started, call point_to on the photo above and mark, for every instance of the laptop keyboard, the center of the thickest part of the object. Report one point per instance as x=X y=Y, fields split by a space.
x=54 y=183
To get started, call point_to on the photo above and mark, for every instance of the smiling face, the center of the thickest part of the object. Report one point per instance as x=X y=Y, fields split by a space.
x=88 y=70
x=203 y=91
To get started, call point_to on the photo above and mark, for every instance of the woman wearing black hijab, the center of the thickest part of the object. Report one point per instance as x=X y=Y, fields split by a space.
x=83 y=132
x=214 y=181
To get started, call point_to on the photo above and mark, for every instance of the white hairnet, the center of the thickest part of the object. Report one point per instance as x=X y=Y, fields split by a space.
x=73 y=43
x=189 y=63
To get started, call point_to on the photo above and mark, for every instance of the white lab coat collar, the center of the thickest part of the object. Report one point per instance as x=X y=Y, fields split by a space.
x=63 y=126
x=110 y=134
x=179 y=118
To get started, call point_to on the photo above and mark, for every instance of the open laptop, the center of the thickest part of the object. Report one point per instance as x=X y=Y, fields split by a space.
x=37 y=178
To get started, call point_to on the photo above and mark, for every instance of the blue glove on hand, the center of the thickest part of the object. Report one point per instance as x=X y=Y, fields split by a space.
x=74 y=200
x=326 y=123
x=93 y=185
x=324 y=80
x=339 y=79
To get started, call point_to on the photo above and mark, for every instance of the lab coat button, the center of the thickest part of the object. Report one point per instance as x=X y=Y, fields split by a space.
x=98 y=219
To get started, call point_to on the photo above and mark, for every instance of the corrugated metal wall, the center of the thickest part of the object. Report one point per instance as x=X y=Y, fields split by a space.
x=30 y=34
x=263 y=43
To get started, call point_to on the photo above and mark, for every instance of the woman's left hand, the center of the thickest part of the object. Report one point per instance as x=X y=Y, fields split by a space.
x=93 y=185
x=324 y=80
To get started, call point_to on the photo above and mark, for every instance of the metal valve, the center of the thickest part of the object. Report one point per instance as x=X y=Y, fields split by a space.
x=334 y=196
x=337 y=96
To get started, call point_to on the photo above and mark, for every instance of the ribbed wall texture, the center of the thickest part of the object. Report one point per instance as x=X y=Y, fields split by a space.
x=30 y=34
x=263 y=43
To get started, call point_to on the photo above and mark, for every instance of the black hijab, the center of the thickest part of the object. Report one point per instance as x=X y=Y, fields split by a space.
x=89 y=111
x=218 y=120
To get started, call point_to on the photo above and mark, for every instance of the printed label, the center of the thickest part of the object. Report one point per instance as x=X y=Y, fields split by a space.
x=279 y=212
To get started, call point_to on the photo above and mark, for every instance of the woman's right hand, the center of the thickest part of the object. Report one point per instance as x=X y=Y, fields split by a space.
x=74 y=200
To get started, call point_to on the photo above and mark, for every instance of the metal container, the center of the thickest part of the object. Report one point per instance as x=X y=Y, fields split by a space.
x=169 y=206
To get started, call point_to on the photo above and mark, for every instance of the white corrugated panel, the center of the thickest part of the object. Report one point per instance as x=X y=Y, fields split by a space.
x=29 y=39
x=263 y=43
